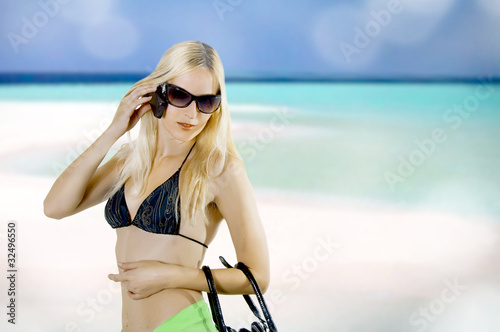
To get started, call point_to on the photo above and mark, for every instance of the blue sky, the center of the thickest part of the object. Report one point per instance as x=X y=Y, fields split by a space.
x=328 y=39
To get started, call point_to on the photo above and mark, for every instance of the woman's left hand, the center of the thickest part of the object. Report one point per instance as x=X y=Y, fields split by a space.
x=145 y=278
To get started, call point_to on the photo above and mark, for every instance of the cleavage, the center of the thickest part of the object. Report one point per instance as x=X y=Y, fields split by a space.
x=140 y=201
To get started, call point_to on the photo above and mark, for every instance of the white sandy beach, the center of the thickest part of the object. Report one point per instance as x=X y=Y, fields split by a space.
x=337 y=264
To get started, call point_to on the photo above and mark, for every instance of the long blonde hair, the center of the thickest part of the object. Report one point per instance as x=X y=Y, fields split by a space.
x=214 y=145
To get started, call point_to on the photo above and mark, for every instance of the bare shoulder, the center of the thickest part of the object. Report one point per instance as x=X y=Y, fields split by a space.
x=234 y=168
x=232 y=182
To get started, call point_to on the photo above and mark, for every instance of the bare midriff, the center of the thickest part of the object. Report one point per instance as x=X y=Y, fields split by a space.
x=134 y=244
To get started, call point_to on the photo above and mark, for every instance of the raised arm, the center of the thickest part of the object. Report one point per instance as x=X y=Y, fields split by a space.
x=82 y=184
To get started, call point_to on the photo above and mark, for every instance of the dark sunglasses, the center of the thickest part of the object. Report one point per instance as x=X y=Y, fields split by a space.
x=178 y=97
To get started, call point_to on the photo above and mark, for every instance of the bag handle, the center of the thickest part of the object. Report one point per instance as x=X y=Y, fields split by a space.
x=214 y=301
x=268 y=319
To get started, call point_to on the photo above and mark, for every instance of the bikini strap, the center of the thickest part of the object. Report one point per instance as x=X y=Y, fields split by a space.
x=187 y=155
x=190 y=238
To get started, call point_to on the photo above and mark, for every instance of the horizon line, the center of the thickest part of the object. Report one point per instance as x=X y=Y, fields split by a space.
x=56 y=78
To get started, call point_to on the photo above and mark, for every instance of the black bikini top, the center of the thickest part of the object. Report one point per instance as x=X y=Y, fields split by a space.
x=156 y=214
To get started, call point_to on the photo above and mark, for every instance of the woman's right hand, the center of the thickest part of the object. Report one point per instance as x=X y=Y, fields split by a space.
x=130 y=110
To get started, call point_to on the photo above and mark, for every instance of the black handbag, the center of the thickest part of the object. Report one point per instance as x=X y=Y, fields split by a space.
x=265 y=324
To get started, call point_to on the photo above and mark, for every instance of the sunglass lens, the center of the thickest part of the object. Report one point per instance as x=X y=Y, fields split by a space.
x=177 y=97
x=208 y=104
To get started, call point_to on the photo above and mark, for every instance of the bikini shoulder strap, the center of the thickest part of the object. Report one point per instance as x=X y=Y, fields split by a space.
x=188 y=154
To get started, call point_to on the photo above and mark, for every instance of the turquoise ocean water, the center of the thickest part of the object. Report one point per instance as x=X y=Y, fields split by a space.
x=432 y=146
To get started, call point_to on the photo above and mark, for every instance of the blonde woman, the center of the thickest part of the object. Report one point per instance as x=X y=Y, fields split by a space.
x=168 y=192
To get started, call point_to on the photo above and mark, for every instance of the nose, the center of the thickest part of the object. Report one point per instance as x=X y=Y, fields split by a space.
x=191 y=110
